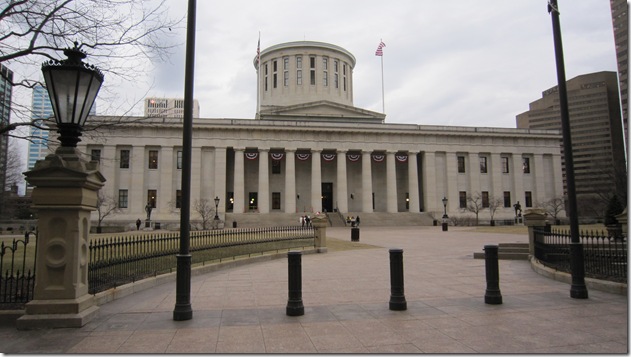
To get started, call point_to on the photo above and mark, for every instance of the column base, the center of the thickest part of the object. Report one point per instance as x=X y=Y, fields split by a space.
x=43 y=314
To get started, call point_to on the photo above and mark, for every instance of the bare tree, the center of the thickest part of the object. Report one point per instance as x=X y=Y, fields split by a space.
x=105 y=205
x=494 y=204
x=123 y=38
x=474 y=205
x=206 y=211
x=554 y=207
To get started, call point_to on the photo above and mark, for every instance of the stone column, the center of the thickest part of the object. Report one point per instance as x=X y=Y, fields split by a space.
x=319 y=223
x=366 y=182
x=413 y=182
x=263 y=180
x=539 y=172
x=518 y=181
x=391 y=183
x=220 y=178
x=137 y=189
x=290 y=181
x=429 y=183
x=341 y=191
x=239 y=181
x=452 y=181
x=166 y=191
x=316 y=181
x=65 y=194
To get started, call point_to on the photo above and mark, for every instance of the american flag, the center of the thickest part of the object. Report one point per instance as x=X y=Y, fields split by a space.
x=258 y=51
x=379 y=51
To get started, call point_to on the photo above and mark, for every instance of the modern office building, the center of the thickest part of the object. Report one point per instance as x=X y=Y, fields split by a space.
x=311 y=150
x=168 y=108
x=597 y=136
x=620 y=18
x=6 y=89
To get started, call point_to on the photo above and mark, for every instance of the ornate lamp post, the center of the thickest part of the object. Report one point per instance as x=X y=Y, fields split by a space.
x=65 y=194
x=216 y=208
x=445 y=216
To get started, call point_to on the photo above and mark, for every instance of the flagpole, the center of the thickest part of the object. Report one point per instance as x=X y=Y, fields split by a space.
x=383 y=97
x=258 y=77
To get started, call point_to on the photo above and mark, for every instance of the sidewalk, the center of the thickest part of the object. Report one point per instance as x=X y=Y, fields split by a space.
x=346 y=294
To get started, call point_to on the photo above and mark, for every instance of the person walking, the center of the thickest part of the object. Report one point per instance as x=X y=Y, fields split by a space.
x=138 y=224
x=357 y=221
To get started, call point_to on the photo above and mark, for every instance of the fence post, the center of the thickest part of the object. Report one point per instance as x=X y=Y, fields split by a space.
x=492 y=294
x=294 y=302
x=397 y=297
x=534 y=219
x=319 y=223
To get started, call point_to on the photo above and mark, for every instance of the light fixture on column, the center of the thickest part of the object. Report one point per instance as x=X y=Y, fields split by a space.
x=72 y=86
x=216 y=208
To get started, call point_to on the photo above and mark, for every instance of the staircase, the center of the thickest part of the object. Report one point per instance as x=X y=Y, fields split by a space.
x=247 y=220
x=508 y=251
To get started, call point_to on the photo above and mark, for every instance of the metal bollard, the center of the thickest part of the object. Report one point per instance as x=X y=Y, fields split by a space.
x=397 y=298
x=493 y=294
x=354 y=234
x=294 y=302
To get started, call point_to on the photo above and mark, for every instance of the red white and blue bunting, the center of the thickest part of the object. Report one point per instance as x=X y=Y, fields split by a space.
x=276 y=156
x=251 y=155
x=328 y=157
x=378 y=158
x=353 y=157
x=303 y=157
x=402 y=158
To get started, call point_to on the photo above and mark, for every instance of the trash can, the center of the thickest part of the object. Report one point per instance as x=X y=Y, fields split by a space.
x=355 y=234
x=234 y=224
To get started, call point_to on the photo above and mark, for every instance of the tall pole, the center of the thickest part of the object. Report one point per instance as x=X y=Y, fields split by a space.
x=578 y=289
x=183 y=310
x=383 y=96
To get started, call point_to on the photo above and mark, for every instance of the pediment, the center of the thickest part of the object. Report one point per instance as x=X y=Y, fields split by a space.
x=321 y=110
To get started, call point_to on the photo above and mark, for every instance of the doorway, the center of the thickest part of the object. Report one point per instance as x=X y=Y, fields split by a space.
x=327 y=196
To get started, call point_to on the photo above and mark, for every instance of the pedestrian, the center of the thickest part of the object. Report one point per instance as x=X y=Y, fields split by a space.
x=357 y=221
x=308 y=220
x=302 y=221
x=138 y=224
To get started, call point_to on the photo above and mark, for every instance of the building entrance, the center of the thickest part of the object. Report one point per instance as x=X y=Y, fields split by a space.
x=327 y=196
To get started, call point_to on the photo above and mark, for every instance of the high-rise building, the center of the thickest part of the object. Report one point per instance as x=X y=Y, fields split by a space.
x=597 y=136
x=620 y=18
x=168 y=108
x=41 y=109
x=6 y=88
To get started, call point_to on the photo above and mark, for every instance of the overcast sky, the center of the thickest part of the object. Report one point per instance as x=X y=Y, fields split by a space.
x=447 y=62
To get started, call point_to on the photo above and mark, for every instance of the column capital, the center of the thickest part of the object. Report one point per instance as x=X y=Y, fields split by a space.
x=263 y=149
x=341 y=151
x=313 y=151
x=238 y=149
x=391 y=152
x=290 y=150
x=367 y=151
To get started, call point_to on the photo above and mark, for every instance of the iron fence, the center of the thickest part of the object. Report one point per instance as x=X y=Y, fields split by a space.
x=17 y=272
x=120 y=260
x=605 y=257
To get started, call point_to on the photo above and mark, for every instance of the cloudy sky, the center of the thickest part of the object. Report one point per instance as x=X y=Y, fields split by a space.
x=448 y=62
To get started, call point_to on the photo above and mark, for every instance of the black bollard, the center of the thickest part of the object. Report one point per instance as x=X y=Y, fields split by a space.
x=493 y=294
x=355 y=234
x=294 y=302
x=397 y=298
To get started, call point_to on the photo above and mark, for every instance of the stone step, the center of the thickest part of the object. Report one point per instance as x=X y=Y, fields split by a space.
x=508 y=251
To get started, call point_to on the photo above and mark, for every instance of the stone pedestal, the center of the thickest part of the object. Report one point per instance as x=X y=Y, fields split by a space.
x=65 y=193
x=534 y=219
x=319 y=222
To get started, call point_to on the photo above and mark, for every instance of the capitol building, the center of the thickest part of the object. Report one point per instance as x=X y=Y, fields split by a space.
x=308 y=150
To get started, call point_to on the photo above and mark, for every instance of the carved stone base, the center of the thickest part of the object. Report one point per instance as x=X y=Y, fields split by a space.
x=41 y=314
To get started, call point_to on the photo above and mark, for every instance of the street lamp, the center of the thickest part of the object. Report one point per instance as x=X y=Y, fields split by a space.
x=72 y=86
x=216 y=208
x=445 y=216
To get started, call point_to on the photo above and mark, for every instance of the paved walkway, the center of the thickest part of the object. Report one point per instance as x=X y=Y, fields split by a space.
x=346 y=294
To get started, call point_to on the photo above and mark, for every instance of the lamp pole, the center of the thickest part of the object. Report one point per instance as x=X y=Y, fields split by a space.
x=216 y=208
x=578 y=289
x=183 y=309
x=445 y=216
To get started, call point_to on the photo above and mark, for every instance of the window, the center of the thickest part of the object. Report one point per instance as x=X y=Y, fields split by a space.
x=274 y=74
x=507 y=199
x=178 y=198
x=463 y=199
x=461 y=167
x=285 y=71
x=525 y=164
x=179 y=160
x=275 y=200
x=153 y=159
x=123 y=196
x=299 y=77
x=485 y=199
x=124 y=159
x=276 y=167
x=344 y=75
x=285 y=63
x=312 y=61
x=95 y=155
x=152 y=197
x=528 y=199
x=325 y=75
x=298 y=61
x=505 y=165
x=483 y=167
x=286 y=78
x=266 y=68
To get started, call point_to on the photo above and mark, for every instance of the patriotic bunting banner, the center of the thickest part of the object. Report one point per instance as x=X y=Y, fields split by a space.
x=328 y=157
x=353 y=157
x=378 y=158
x=276 y=156
x=251 y=155
x=402 y=158
x=303 y=157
